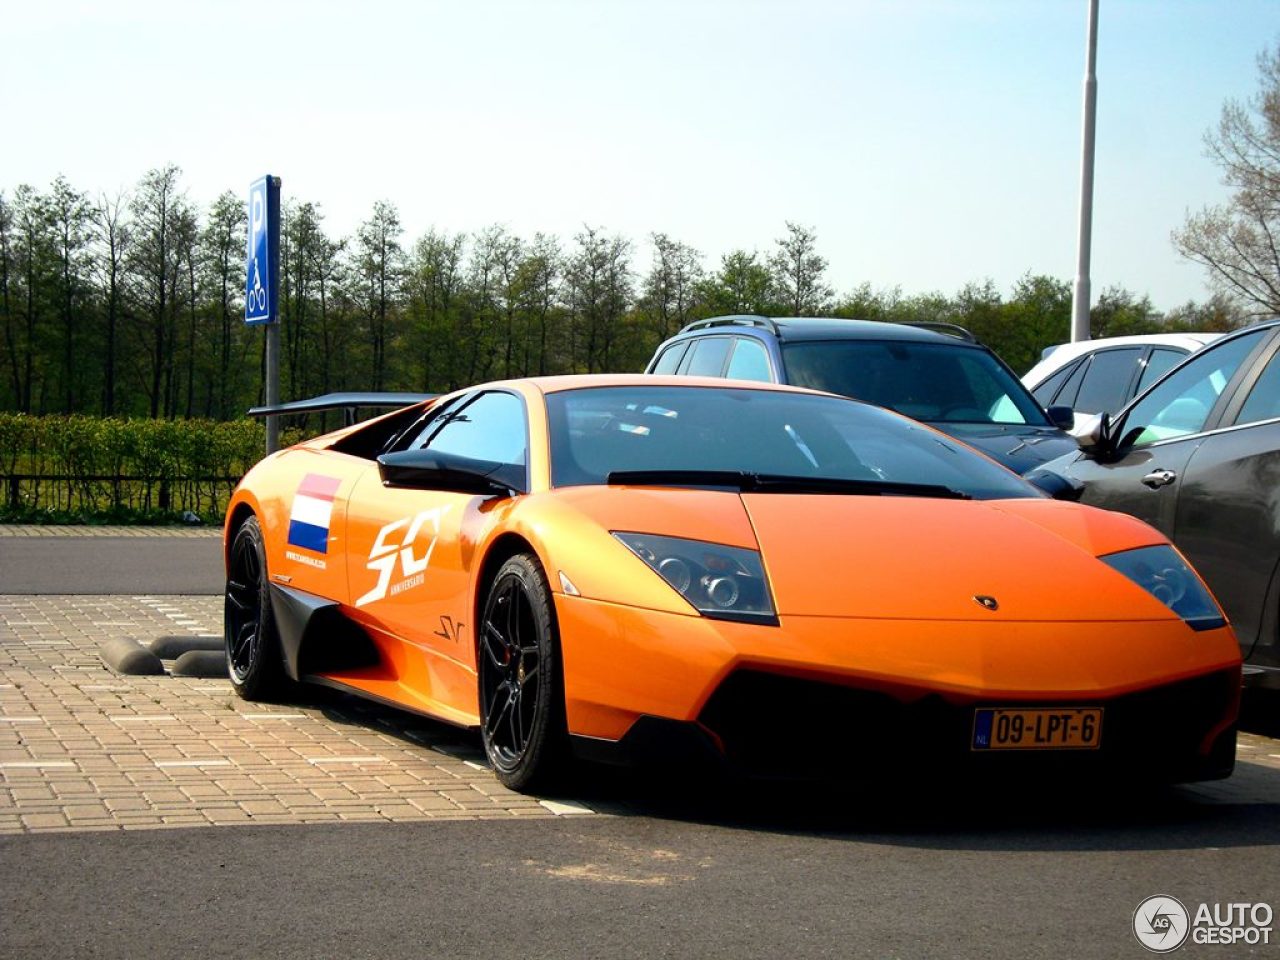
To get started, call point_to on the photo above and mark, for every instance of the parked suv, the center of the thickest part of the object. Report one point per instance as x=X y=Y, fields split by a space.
x=936 y=373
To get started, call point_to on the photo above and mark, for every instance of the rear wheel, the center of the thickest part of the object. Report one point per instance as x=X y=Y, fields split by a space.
x=248 y=625
x=521 y=686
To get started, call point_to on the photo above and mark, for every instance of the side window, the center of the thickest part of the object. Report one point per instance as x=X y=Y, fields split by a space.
x=1181 y=404
x=1106 y=382
x=1264 y=399
x=750 y=361
x=490 y=427
x=1067 y=396
x=1046 y=392
x=670 y=358
x=706 y=357
x=1158 y=364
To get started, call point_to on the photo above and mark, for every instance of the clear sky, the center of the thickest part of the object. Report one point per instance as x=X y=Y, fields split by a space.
x=928 y=142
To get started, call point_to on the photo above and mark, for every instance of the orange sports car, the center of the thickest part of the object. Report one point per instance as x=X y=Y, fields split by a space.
x=780 y=580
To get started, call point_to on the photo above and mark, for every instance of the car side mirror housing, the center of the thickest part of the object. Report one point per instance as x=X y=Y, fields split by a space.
x=432 y=470
x=1093 y=434
x=1063 y=418
x=1055 y=484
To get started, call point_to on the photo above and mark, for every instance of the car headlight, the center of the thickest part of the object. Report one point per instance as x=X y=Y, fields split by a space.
x=1166 y=576
x=726 y=583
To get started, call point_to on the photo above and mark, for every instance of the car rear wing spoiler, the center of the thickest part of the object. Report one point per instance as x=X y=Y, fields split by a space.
x=349 y=403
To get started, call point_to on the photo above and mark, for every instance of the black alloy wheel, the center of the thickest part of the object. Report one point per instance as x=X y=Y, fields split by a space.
x=248 y=625
x=521 y=690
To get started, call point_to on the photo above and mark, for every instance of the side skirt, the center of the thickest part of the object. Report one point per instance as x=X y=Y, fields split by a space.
x=315 y=637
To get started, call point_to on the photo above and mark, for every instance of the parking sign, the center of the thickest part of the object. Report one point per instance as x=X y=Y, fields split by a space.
x=260 y=282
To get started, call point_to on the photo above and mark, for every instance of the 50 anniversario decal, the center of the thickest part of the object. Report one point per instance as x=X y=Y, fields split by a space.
x=387 y=550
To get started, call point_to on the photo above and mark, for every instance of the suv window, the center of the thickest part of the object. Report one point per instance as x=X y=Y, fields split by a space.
x=937 y=382
x=670 y=358
x=706 y=357
x=750 y=361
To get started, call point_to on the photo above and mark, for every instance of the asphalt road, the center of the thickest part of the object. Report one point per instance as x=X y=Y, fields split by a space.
x=100 y=566
x=945 y=870
x=994 y=876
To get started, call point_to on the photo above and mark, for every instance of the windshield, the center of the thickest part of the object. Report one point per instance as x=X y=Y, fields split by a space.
x=937 y=382
x=782 y=442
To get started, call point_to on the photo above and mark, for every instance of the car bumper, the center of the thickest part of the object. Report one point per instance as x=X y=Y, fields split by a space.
x=819 y=694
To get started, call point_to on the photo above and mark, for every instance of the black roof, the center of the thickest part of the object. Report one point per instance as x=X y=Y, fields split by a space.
x=836 y=328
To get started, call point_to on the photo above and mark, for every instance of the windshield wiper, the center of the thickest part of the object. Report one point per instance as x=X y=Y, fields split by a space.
x=746 y=482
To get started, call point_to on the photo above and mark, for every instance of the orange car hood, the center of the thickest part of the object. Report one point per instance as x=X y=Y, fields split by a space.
x=926 y=559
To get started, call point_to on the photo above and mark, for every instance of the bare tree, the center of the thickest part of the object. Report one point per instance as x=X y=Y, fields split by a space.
x=1239 y=242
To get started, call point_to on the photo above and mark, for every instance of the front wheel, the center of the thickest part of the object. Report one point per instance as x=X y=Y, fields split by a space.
x=521 y=687
x=248 y=624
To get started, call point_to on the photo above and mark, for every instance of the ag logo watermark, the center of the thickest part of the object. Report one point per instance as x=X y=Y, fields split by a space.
x=1162 y=924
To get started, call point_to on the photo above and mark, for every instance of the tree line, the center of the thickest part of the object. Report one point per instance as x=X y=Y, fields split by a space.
x=132 y=304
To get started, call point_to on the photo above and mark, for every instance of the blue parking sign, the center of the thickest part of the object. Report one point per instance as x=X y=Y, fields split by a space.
x=260 y=280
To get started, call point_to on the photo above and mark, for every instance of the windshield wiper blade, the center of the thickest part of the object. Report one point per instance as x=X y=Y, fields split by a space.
x=746 y=482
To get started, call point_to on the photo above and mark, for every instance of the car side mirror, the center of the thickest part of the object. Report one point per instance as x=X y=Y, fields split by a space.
x=431 y=470
x=1055 y=484
x=1063 y=418
x=1093 y=434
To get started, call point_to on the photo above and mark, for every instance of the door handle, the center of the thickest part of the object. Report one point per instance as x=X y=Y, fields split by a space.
x=1159 y=478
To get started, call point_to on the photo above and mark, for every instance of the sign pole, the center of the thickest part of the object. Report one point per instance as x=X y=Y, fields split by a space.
x=262 y=287
x=272 y=397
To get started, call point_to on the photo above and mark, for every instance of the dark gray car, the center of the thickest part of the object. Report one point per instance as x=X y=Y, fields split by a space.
x=1198 y=457
x=937 y=373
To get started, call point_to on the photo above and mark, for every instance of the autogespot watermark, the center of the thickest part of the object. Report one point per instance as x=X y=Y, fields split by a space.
x=1162 y=924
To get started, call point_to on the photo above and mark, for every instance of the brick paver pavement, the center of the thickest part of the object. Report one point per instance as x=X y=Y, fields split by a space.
x=82 y=748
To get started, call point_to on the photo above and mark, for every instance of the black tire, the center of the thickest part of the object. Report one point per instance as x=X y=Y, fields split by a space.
x=254 y=660
x=518 y=666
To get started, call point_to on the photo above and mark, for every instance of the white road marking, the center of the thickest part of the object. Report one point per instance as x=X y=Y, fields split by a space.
x=563 y=808
x=274 y=716
x=144 y=718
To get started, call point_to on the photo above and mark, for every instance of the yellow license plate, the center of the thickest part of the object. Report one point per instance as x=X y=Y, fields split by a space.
x=1041 y=728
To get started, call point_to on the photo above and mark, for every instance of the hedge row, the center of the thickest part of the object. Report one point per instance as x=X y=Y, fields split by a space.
x=78 y=467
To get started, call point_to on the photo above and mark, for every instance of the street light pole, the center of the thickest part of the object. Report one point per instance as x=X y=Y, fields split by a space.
x=1080 y=292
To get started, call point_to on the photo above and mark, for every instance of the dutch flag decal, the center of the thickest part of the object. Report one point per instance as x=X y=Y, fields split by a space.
x=312 y=508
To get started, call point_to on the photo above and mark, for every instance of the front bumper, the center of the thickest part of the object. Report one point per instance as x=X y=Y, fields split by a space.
x=820 y=695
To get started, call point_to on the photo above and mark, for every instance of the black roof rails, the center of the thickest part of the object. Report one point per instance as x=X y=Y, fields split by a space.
x=937 y=326
x=734 y=320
